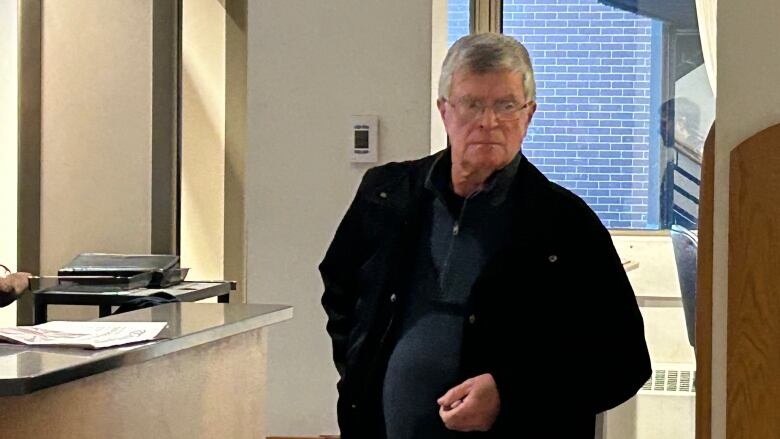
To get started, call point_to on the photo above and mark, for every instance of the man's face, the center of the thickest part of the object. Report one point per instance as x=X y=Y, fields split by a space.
x=485 y=143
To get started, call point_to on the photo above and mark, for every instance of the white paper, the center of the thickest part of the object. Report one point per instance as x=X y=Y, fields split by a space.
x=90 y=335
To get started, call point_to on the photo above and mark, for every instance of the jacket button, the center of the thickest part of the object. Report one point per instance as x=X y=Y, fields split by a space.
x=552 y=258
x=383 y=195
x=393 y=298
x=354 y=406
x=472 y=319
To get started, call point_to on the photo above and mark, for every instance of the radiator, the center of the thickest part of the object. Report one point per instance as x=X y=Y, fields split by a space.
x=664 y=408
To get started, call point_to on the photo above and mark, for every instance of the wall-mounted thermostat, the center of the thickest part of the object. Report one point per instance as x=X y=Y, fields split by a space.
x=365 y=139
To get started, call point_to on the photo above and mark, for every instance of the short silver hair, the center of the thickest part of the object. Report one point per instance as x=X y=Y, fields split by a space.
x=487 y=53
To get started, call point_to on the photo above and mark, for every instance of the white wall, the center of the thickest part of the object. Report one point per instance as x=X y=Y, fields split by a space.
x=8 y=145
x=311 y=65
x=748 y=100
x=439 y=28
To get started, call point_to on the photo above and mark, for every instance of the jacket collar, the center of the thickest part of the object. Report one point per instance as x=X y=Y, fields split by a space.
x=439 y=179
x=529 y=188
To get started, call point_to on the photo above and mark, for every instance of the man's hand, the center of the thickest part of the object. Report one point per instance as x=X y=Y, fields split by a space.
x=12 y=286
x=472 y=405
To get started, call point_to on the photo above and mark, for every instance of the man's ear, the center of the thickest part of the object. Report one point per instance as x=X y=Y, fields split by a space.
x=531 y=111
x=441 y=104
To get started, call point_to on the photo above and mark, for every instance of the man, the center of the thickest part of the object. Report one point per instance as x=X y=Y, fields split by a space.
x=12 y=285
x=465 y=292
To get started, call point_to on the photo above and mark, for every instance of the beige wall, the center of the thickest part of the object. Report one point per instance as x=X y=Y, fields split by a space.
x=439 y=24
x=8 y=144
x=203 y=141
x=748 y=100
x=96 y=128
x=312 y=65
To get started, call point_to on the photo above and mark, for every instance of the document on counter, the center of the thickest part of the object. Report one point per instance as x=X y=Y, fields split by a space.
x=88 y=335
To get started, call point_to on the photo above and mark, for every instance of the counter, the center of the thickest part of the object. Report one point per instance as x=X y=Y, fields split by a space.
x=205 y=379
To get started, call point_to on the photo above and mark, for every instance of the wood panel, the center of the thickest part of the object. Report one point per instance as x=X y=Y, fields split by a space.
x=753 y=363
x=704 y=292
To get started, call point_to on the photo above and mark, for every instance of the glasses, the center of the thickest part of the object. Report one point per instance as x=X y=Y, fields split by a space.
x=468 y=109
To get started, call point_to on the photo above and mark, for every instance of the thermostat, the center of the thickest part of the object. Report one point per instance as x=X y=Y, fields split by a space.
x=365 y=139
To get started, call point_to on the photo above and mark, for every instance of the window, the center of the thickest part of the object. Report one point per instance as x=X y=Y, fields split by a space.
x=623 y=108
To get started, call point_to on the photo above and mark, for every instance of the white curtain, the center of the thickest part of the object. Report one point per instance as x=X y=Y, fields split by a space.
x=707 y=12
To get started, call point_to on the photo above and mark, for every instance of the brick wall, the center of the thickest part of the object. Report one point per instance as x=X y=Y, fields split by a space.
x=457 y=20
x=591 y=130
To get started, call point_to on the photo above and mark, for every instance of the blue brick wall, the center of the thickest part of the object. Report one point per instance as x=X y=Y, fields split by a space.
x=591 y=130
x=457 y=20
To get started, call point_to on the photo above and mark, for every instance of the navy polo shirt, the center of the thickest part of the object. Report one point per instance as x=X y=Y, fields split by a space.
x=458 y=237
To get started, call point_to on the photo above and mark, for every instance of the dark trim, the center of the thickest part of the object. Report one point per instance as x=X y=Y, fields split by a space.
x=500 y=20
x=179 y=117
x=472 y=16
x=29 y=147
x=687 y=175
x=165 y=123
x=235 y=145
x=685 y=194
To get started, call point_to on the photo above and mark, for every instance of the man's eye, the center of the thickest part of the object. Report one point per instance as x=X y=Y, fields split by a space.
x=473 y=105
x=507 y=106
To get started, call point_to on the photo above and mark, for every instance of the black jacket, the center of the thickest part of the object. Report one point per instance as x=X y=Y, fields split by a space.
x=552 y=317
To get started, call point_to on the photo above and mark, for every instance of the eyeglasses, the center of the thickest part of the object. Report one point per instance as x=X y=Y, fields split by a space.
x=468 y=109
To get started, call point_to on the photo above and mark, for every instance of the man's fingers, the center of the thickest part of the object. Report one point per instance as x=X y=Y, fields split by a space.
x=454 y=394
x=450 y=414
x=453 y=406
x=19 y=282
x=476 y=410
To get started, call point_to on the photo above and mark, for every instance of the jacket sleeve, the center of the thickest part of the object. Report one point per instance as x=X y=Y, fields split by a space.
x=620 y=360
x=339 y=270
x=605 y=343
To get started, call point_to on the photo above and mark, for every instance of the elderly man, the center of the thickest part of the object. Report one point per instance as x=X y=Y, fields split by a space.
x=465 y=292
x=12 y=285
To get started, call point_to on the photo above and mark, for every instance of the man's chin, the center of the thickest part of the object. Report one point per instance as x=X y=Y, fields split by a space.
x=485 y=166
x=488 y=156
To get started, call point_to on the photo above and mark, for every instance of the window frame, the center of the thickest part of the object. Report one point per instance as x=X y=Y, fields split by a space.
x=486 y=16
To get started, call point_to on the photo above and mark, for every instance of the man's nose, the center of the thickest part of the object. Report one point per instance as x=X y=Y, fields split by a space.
x=488 y=118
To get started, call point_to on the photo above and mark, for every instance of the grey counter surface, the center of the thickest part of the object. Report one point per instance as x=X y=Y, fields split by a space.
x=24 y=369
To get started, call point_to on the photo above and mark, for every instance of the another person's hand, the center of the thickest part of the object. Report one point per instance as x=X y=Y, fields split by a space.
x=12 y=286
x=472 y=405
